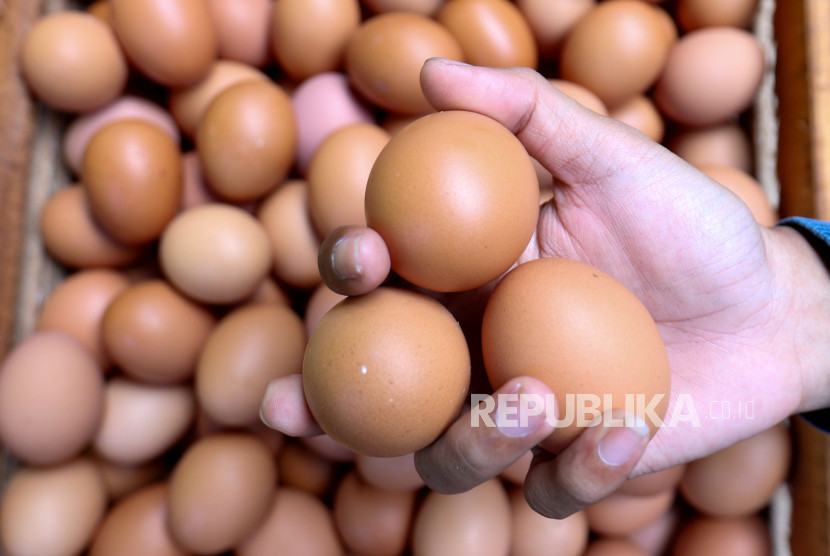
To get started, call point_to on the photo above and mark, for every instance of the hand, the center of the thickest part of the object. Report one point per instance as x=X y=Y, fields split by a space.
x=743 y=309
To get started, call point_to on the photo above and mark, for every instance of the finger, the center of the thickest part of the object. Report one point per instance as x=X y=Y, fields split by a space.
x=591 y=468
x=483 y=443
x=353 y=260
x=284 y=407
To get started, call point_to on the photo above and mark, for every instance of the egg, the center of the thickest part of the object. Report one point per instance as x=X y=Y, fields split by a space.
x=610 y=546
x=243 y=29
x=329 y=448
x=736 y=536
x=533 y=533
x=220 y=491
x=72 y=61
x=390 y=473
x=303 y=469
x=517 y=471
x=580 y=94
x=727 y=144
x=654 y=482
x=552 y=20
x=51 y=398
x=456 y=199
x=319 y=302
x=422 y=7
x=386 y=372
x=746 y=188
x=123 y=480
x=694 y=14
x=641 y=113
x=622 y=514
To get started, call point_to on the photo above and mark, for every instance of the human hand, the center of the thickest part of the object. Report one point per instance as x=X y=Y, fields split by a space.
x=742 y=309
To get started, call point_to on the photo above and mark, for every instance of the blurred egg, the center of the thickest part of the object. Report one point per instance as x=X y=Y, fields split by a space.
x=269 y=291
x=215 y=253
x=474 y=522
x=338 y=173
x=310 y=37
x=640 y=113
x=72 y=61
x=532 y=533
x=247 y=140
x=298 y=523
x=386 y=372
x=710 y=76
x=517 y=471
x=609 y=546
x=396 y=473
x=580 y=94
x=319 y=302
x=736 y=536
x=52 y=510
x=304 y=469
x=455 y=197
x=582 y=332
x=77 y=305
x=137 y=526
x=656 y=536
x=100 y=9
x=132 y=174
x=284 y=215
x=372 y=521
x=385 y=54
x=655 y=482
x=180 y=46
x=727 y=144
x=249 y=347
x=621 y=514
x=694 y=14
x=746 y=188
x=491 y=33
x=51 y=398
x=142 y=421
x=423 y=7
x=329 y=448
x=155 y=334
x=552 y=20
x=243 y=29
x=220 y=491
x=122 y=480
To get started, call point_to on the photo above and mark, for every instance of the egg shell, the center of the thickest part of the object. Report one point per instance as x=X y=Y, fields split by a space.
x=299 y=523
x=583 y=333
x=310 y=37
x=621 y=514
x=72 y=61
x=284 y=215
x=474 y=522
x=137 y=526
x=456 y=199
x=386 y=372
x=694 y=14
x=580 y=94
x=737 y=536
x=740 y=479
x=385 y=54
x=372 y=521
x=392 y=473
x=220 y=491
x=338 y=173
x=552 y=20
x=319 y=302
x=215 y=253
x=132 y=174
x=173 y=42
x=746 y=188
x=491 y=32
x=641 y=113
x=306 y=470
x=52 y=510
x=155 y=334
x=250 y=346
x=532 y=533
x=728 y=144
x=422 y=7
x=51 y=398
x=610 y=546
x=243 y=29
x=142 y=421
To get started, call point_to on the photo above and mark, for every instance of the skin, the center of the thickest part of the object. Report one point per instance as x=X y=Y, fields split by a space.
x=744 y=310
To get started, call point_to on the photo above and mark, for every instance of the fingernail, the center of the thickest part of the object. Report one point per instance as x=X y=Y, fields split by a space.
x=451 y=62
x=622 y=439
x=344 y=258
x=519 y=413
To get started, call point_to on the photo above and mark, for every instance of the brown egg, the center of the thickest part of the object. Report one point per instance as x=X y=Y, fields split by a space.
x=249 y=347
x=727 y=144
x=370 y=520
x=393 y=473
x=304 y=469
x=746 y=188
x=298 y=523
x=72 y=235
x=310 y=37
x=694 y=14
x=491 y=32
x=385 y=373
x=220 y=491
x=517 y=471
x=656 y=536
x=532 y=533
x=188 y=104
x=329 y=448
x=71 y=61
x=653 y=483
x=215 y=253
x=122 y=480
x=710 y=76
x=473 y=522
x=155 y=334
x=284 y=215
x=51 y=398
x=269 y=291
x=741 y=479
x=338 y=173
x=142 y=421
x=737 y=536
x=640 y=113
x=243 y=29
x=621 y=514
x=456 y=198
x=52 y=510
x=552 y=20
x=423 y=7
x=137 y=526
x=77 y=305
x=172 y=42
x=319 y=302
x=385 y=54
x=610 y=546
x=580 y=94
x=616 y=50
x=132 y=173
x=100 y=9
x=582 y=332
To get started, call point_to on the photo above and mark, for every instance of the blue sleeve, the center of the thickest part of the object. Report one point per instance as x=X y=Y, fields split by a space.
x=817 y=233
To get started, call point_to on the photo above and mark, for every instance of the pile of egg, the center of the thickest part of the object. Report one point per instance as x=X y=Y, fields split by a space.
x=213 y=144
